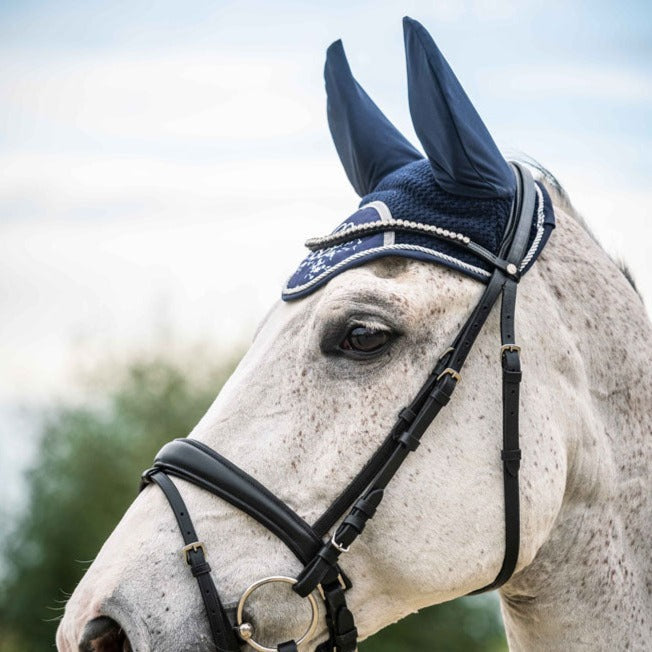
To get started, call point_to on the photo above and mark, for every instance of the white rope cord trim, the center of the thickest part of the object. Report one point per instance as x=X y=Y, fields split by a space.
x=398 y=247
x=537 y=238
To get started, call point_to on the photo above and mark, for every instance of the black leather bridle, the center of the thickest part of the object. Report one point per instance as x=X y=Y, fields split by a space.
x=195 y=462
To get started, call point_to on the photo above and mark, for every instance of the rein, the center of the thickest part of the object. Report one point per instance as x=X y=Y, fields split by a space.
x=319 y=552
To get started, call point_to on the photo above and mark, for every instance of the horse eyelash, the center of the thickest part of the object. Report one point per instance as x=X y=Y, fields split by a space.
x=335 y=332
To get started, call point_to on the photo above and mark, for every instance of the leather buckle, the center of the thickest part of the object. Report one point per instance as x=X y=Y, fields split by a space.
x=194 y=547
x=339 y=547
x=509 y=347
x=343 y=585
x=450 y=372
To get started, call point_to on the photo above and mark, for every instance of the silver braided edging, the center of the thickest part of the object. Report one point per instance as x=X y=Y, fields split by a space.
x=537 y=238
x=367 y=228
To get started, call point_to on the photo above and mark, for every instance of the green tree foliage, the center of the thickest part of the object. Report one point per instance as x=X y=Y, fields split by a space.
x=464 y=625
x=86 y=475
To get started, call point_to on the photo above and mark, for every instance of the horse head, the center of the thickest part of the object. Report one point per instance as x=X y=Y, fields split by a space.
x=381 y=315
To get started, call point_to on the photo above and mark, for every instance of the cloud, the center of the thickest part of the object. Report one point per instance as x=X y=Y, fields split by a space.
x=182 y=180
x=568 y=81
x=183 y=97
x=62 y=185
x=109 y=282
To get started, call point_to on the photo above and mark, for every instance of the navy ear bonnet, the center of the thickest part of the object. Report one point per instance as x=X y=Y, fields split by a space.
x=451 y=208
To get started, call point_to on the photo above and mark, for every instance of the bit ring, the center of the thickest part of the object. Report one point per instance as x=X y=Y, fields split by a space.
x=248 y=639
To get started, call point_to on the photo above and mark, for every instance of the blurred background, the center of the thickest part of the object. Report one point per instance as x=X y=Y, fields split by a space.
x=161 y=165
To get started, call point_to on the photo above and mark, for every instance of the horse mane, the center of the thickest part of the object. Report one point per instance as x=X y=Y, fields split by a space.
x=561 y=198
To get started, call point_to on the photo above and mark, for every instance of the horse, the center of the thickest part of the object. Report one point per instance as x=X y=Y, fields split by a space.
x=353 y=340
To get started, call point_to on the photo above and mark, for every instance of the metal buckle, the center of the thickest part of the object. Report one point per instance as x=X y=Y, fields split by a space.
x=246 y=630
x=343 y=586
x=194 y=546
x=338 y=546
x=509 y=347
x=450 y=372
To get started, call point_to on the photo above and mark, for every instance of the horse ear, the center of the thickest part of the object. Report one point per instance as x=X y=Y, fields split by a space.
x=462 y=153
x=369 y=146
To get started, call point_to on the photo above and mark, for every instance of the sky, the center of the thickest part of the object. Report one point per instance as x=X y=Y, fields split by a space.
x=161 y=164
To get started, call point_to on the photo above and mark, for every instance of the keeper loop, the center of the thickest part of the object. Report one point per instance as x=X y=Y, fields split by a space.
x=512 y=455
x=409 y=440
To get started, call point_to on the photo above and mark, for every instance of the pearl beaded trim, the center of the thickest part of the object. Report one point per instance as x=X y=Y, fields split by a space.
x=353 y=231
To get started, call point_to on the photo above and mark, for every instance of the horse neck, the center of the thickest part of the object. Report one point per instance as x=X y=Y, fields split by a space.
x=586 y=586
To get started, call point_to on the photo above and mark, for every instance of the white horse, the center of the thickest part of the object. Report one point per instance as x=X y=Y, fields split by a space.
x=303 y=419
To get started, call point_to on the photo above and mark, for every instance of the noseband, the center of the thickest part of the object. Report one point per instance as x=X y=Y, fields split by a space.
x=318 y=551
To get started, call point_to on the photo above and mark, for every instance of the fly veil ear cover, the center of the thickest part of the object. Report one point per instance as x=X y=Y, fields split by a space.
x=433 y=208
x=464 y=158
x=369 y=145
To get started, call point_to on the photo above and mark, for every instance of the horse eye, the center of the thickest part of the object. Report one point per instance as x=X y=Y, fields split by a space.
x=365 y=340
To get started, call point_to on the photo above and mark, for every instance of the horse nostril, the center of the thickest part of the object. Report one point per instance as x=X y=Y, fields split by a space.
x=103 y=634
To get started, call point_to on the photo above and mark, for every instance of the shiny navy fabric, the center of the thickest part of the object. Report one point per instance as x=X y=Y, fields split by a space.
x=463 y=155
x=369 y=145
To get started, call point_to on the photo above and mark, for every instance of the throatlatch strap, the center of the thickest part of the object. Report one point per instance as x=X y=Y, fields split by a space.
x=511 y=453
x=221 y=629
